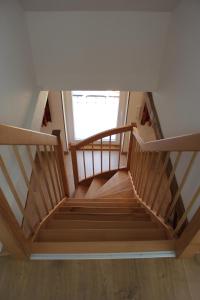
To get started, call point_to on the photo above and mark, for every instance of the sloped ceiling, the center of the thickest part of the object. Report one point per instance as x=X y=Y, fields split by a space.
x=102 y=5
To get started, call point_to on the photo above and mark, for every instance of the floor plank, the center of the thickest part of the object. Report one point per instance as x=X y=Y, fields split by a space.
x=141 y=279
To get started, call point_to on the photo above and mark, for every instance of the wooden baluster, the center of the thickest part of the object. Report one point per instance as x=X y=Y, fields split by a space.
x=119 y=155
x=144 y=158
x=50 y=173
x=178 y=156
x=28 y=185
x=93 y=158
x=144 y=181
x=37 y=179
x=60 y=155
x=136 y=161
x=56 y=172
x=75 y=165
x=188 y=209
x=101 y=155
x=185 y=176
x=11 y=234
x=61 y=184
x=130 y=149
x=84 y=165
x=109 y=152
x=132 y=157
x=138 y=169
x=44 y=174
x=151 y=159
x=159 y=184
x=62 y=191
x=153 y=180
x=15 y=194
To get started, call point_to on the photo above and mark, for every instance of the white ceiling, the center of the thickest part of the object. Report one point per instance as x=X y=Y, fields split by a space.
x=102 y=5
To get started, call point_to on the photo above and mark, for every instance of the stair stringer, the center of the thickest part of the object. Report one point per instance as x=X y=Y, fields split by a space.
x=168 y=229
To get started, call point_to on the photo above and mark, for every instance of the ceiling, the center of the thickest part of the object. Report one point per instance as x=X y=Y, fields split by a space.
x=101 y=5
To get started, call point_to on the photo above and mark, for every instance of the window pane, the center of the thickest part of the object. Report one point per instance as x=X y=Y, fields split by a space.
x=94 y=111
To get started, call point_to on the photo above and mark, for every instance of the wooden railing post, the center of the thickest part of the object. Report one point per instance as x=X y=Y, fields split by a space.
x=61 y=161
x=74 y=165
x=130 y=148
x=11 y=234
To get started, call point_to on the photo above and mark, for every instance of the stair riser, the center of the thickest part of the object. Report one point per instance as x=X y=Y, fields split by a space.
x=63 y=224
x=101 y=210
x=74 y=235
x=103 y=217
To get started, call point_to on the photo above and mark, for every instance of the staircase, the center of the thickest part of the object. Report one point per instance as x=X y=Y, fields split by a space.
x=120 y=205
x=106 y=209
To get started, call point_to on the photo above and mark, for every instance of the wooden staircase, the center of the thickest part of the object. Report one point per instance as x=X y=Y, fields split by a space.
x=103 y=210
x=128 y=206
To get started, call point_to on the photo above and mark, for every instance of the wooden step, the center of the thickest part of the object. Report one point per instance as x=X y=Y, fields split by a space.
x=65 y=224
x=101 y=210
x=102 y=217
x=81 y=191
x=94 y=186
x=118 y=185
x=81 y=235
x=109 y=203
x=101 y=200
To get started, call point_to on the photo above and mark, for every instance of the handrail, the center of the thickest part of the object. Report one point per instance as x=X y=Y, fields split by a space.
x=10 y=135
x=152 y=180
x=101 y=135
x=190 y=142
x=38 y=159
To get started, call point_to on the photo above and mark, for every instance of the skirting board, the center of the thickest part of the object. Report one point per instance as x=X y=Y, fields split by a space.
x=88 y=256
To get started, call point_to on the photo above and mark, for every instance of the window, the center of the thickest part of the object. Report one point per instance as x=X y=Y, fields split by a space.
x=94 y=111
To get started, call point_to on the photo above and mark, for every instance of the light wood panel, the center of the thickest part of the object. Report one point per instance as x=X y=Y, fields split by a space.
x=10 y=135
x=190 y=142
x=101 y=135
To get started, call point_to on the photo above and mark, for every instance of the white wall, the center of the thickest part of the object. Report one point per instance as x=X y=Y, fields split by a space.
x=178 y=98
x=17 y=84
x=98 y=50
x=17 y=80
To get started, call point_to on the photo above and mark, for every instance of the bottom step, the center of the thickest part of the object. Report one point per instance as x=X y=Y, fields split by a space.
x=87 y=235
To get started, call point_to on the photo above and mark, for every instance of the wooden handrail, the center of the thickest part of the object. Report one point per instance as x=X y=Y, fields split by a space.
x=101 y=135
x=190 y=142
x=10 y=135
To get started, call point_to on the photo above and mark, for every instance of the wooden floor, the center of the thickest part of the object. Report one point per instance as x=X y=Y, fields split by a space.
x=142 y=279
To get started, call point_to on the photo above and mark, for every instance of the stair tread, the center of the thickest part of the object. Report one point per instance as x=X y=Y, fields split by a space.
x=80 y=235
x=101 y=200
x=81 y=191
x=94 y=186
x=100 y=210
x=119 y=184
x=54 y=224
x=102 y=204
x=106 y=217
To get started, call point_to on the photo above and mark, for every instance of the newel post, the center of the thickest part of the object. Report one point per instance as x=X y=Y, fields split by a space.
x=61 y=161
x=11 y=234
x=74 y=165
x=130 y=146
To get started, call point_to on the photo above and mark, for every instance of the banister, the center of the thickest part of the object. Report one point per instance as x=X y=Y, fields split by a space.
x=10 y=135
x=101 y=135
x=190 y=142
